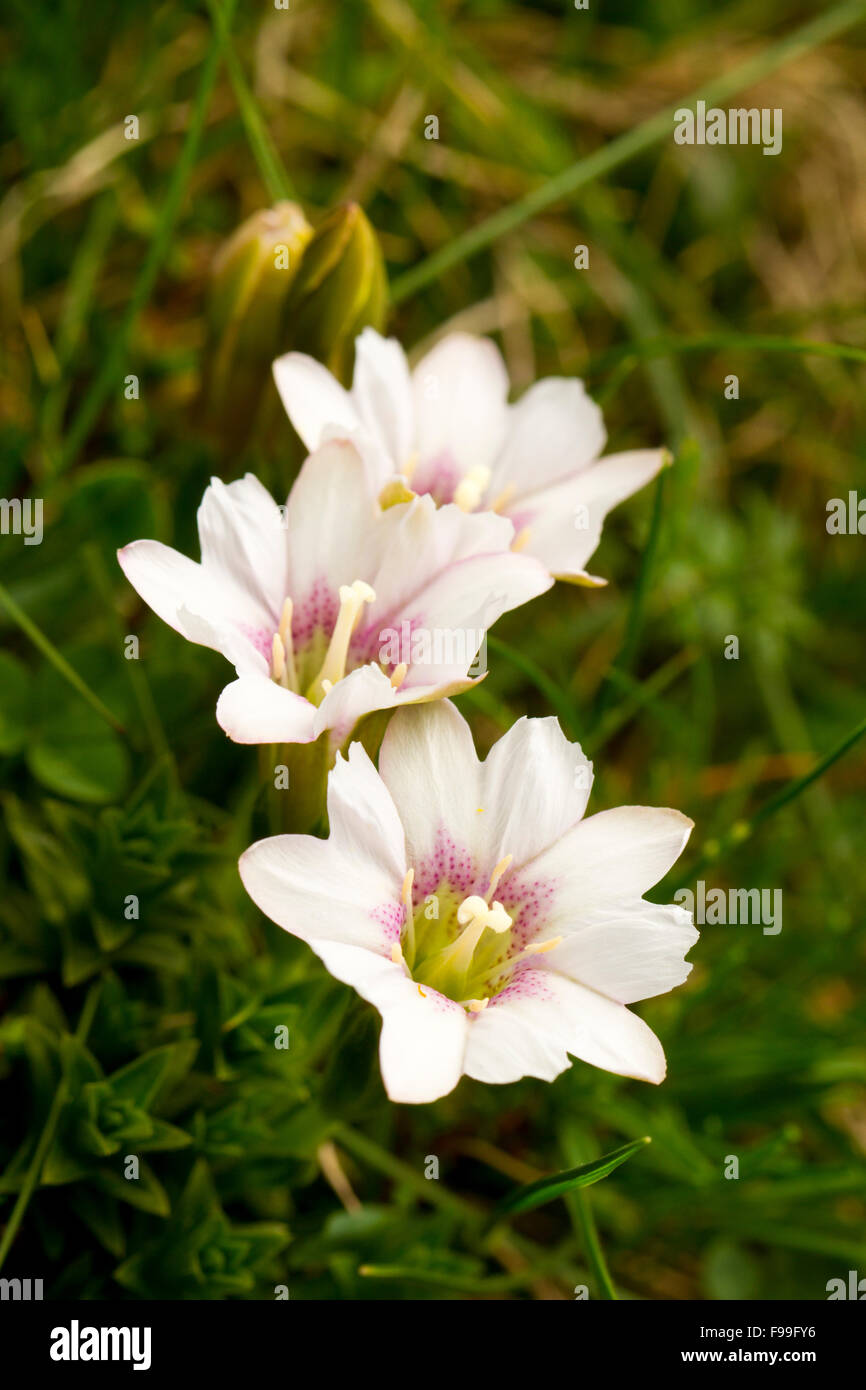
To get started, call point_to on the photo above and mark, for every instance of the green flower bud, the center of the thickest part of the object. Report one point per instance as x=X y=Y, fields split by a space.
x=252 y=275
x=340 y=289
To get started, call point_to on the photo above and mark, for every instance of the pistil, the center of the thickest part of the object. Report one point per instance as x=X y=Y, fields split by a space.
x=454 y=962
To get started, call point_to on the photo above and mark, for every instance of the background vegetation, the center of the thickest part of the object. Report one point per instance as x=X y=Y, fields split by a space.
x=154 y=1036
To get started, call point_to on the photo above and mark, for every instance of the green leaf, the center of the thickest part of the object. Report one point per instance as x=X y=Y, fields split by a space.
x=145 y=1192
x=80 y=757
x=141 y=1080
x=100 y=1215
x=163 y=1136
x=536 y=1194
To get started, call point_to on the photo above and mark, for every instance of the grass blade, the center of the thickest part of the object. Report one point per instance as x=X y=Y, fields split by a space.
x=536 y=1194
x=602 y=161
x=101 y=386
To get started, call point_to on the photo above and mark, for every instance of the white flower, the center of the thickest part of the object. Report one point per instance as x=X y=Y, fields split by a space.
x=298 y=599
x=447 y=429
x=494 y=929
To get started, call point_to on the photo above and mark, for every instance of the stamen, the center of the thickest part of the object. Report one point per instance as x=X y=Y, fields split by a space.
x=504 y=497
x=497 y=874
x=475 y=1006
x=470 y=489
x=406 y=896
x=397 y=953
x=474 y=916
x=398 y=675
x=395 y=492
x=285 y=633
x=406 y=890
x=506 y=967
x=538 y=948
x=352 y=599
x=278 y=659
x=521 y=540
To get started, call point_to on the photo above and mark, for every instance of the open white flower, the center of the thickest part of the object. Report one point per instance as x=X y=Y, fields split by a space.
x=447 y=429
x=494 y=929
x=299 y=598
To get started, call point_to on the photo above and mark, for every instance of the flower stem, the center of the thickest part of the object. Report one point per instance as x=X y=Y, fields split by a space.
x=583 y=1220
x=271 y=168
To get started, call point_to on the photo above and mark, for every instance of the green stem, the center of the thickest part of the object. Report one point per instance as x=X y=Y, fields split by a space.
x=274 y=175
x=46 y=1139
x=48 y=649
x=584 y=1221
x=602 y=161
x=580 y=1210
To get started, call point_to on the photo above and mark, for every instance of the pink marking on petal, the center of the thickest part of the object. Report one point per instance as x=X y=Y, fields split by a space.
x=529 y=902
x=369 y=640
x=440 y=1001
x=525 y=984
x=259 y=637
x=315 y=612
x=439 y=476
x=391 y=917
x=520 y=518
x=450 y=864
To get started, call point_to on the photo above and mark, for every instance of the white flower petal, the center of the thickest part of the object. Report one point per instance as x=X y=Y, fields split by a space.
x=554 y=432
x=206 y=608
x=329 y=514
x=360 y=692
x=382 y=395
x=543 y=1017
x=564 y=522
x=243 y=540
x=169 y=582
x=534 y=786
x=428 y=763
x=318 y=892
x=446 y=574
x=628 y=951
x=363 y=817
x=254 y=709
x=423 y=1034
x=460 y=390
x=613 y=855
x=312 y=397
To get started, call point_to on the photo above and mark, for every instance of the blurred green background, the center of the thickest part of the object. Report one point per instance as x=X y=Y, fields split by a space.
x=154 y=1035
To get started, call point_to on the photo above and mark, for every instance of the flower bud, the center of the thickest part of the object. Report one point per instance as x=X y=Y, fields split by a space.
x=340 y=289
x=252 y=275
